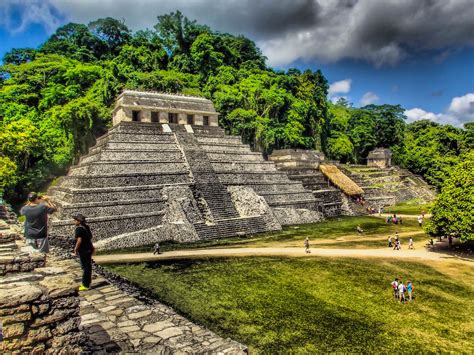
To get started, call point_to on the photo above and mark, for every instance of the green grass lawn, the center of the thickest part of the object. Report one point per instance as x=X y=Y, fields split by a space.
x=330 y=229
x=309 y=305
x=413 y=207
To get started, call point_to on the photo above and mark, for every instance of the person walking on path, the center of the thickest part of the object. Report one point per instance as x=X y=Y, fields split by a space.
x=36 y=221
x=420 y=220
x=395 y=288
x=389 y=241
x=410 y=244
x=156 y=249
x=84 y=248
x=410 y=290
x=306 y=246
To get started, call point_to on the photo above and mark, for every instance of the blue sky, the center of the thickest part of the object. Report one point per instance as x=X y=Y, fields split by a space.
x=397 y=52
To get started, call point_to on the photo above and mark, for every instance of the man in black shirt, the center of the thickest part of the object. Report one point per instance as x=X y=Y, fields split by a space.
x=84 y=249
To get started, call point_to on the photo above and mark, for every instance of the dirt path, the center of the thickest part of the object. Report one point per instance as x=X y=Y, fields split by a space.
x=413 y=216
x=293 y=252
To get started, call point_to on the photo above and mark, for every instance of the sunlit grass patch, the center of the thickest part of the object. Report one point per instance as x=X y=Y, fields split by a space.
x=316 y=304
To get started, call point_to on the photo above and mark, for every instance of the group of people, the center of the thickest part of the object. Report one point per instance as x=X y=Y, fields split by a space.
x=394 y=219
x=396 y=244
x=402 y=291
x=36 y=213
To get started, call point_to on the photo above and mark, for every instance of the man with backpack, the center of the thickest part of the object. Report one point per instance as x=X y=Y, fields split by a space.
x=36 y=213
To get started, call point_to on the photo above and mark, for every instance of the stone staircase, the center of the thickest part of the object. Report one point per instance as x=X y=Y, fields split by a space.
x=236 y=165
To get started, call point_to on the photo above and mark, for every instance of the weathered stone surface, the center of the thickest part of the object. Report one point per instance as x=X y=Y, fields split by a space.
x=13 y=330
x=60 y=286
x=17 y=309
x=139 y=315
x=10 y=297
x=169 y=332
x=151 y=340
x=156 y=327
x=127 y=323
x=56 y=316
x=129 y=329
x=50 y=271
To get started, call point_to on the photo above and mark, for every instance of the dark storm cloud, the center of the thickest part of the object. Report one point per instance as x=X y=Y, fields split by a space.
x=379 y=31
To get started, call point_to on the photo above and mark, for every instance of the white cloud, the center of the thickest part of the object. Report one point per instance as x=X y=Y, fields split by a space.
x=369 y=98
x=28 y=12
x=460 y=111
x=463 y=107
x=339 y=87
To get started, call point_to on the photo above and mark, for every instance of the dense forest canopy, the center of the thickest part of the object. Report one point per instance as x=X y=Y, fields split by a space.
x=55 y=100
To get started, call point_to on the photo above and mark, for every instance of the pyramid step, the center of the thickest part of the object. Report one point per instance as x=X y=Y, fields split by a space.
x=138 y=238
x=108 y=167
x=109 y=226
x=138 y=155
x=228 y=148
x=75 y=195
x=110 y=208
x=236 y=167
x=116 y=180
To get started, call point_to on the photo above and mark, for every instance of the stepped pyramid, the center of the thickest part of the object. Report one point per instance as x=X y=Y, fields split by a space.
x=166 y=171
x=303 y=166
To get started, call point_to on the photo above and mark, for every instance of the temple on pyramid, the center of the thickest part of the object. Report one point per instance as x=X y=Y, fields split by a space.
x=167 y=171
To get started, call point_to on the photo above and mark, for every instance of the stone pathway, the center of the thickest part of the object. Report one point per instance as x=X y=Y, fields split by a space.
x=293 y=252
x=117 y=322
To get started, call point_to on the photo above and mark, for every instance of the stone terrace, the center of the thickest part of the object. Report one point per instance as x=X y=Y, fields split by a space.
x=41 y=311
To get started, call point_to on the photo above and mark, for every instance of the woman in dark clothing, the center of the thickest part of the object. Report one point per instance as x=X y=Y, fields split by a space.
x=84 y=249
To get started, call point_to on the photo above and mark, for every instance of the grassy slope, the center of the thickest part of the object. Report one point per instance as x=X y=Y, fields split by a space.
x=327 y=304
x=322 y=234
x=412 y=207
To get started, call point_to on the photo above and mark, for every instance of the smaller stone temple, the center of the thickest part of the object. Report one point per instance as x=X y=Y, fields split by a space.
x=137 y=106
x=380 y=157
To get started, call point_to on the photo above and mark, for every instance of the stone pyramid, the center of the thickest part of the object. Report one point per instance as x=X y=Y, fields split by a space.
x=148 y=181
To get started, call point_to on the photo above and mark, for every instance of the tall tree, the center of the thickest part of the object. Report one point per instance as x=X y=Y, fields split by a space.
x=178 y=32
x=452 y=211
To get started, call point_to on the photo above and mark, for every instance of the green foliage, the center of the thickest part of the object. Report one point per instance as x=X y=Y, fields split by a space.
x=365 y=129
x=432 y=150
x=453 y=208
x=58 y=99
x=8 y=175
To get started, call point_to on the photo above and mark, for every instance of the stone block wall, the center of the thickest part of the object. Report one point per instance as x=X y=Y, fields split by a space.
x=40 y=315
x=39 y=306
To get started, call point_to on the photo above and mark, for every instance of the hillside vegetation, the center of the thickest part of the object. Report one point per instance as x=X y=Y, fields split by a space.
x=56 y=99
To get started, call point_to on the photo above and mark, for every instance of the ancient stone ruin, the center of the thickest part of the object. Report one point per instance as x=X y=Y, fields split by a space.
x=166 y=171
x=380 y=158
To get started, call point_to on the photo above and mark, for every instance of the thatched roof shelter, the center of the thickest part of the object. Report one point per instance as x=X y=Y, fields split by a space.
x=342 y=181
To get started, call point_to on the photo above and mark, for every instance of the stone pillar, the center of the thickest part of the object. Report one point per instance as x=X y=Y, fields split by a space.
x=213 y=120
x=198 y=120
x=163 y=116
x=182 y=118
x=145 y=116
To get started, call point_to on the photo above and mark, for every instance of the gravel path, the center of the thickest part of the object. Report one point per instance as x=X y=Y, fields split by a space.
x=293 y=252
